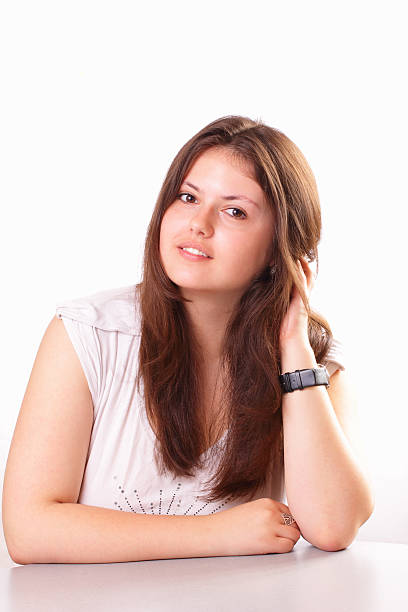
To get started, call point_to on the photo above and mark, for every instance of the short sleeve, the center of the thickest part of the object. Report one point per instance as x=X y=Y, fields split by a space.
x=334 y=359
x=85 y=341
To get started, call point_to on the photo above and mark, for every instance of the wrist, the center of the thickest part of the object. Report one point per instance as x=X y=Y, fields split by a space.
x=297 y=356
x=212 y=535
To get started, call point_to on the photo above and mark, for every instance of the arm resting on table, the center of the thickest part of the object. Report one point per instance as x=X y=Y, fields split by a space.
x=77 y=533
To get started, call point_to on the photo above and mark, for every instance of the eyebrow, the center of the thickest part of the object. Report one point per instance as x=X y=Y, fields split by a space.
x=229 y=197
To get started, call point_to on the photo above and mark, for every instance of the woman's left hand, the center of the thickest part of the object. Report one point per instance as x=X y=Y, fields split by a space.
x=294 y=325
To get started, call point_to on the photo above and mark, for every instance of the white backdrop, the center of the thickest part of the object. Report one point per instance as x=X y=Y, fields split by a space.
x=98 y=97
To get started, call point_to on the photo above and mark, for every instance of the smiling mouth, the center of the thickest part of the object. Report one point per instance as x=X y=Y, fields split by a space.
x=193 y=256
x=194 y=250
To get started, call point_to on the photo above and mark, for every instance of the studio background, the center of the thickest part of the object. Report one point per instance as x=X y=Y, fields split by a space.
x=98 y=97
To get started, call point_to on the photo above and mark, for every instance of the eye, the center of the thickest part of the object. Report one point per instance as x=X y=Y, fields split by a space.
x=239 y=210
x=185 y=194
x=242 y=216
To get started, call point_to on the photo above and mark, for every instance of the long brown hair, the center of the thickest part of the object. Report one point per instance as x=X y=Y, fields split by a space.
x=169 y=356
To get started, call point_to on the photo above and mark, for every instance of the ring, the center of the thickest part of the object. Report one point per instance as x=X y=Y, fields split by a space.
x=288 y=518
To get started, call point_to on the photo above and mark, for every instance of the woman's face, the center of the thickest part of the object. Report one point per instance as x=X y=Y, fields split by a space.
x=218 y=216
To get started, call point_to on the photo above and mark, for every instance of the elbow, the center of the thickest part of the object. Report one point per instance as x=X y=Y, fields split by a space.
x=24 y=536
x=17 y=547
x=333 y=544
x=10 y=545
x=23 y=555
x=332 y=539
x=22 y=558
x=14 y=555
x=17 y=559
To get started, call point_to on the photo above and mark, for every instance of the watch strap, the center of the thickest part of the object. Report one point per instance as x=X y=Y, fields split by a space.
x=301 y=379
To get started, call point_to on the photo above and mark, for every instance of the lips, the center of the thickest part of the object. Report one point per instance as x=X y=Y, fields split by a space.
x=195 y=245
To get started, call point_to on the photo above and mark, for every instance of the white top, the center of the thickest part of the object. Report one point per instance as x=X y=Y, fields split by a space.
x=120 y=471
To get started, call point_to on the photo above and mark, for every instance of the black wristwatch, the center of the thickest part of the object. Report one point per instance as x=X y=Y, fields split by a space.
x=300 y=379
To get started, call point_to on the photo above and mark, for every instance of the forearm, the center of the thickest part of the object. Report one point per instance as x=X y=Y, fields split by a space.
x=77 y=533
x=326 y=488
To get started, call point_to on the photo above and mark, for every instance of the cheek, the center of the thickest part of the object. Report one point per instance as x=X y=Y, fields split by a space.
x=239 y=264
x=169 y=233
x=165 y=231
x=168 y=225
x=252 y=259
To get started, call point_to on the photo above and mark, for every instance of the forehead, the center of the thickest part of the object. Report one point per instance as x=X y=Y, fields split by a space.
x=223 y=170
x=216 y=156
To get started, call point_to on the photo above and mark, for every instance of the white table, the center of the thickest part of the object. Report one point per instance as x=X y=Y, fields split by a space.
x=366 y=577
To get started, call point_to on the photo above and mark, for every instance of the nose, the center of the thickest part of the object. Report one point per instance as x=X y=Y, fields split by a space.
x=201 y=223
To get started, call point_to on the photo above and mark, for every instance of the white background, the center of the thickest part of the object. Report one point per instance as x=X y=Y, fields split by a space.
x=98 y=97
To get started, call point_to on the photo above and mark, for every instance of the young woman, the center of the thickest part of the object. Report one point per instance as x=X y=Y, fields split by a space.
x=170 y=418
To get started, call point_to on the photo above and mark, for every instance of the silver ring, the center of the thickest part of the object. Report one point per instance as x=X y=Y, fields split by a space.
x=288 y=518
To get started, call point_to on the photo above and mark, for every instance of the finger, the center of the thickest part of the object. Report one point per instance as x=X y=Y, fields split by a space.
x=283 y=509
x=305 y=267
x=304 y=271
x=294 y=524
x=290 y=532
x=307 y=272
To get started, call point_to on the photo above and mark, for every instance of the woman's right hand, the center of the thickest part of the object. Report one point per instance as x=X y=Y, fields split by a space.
x=253 y=528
